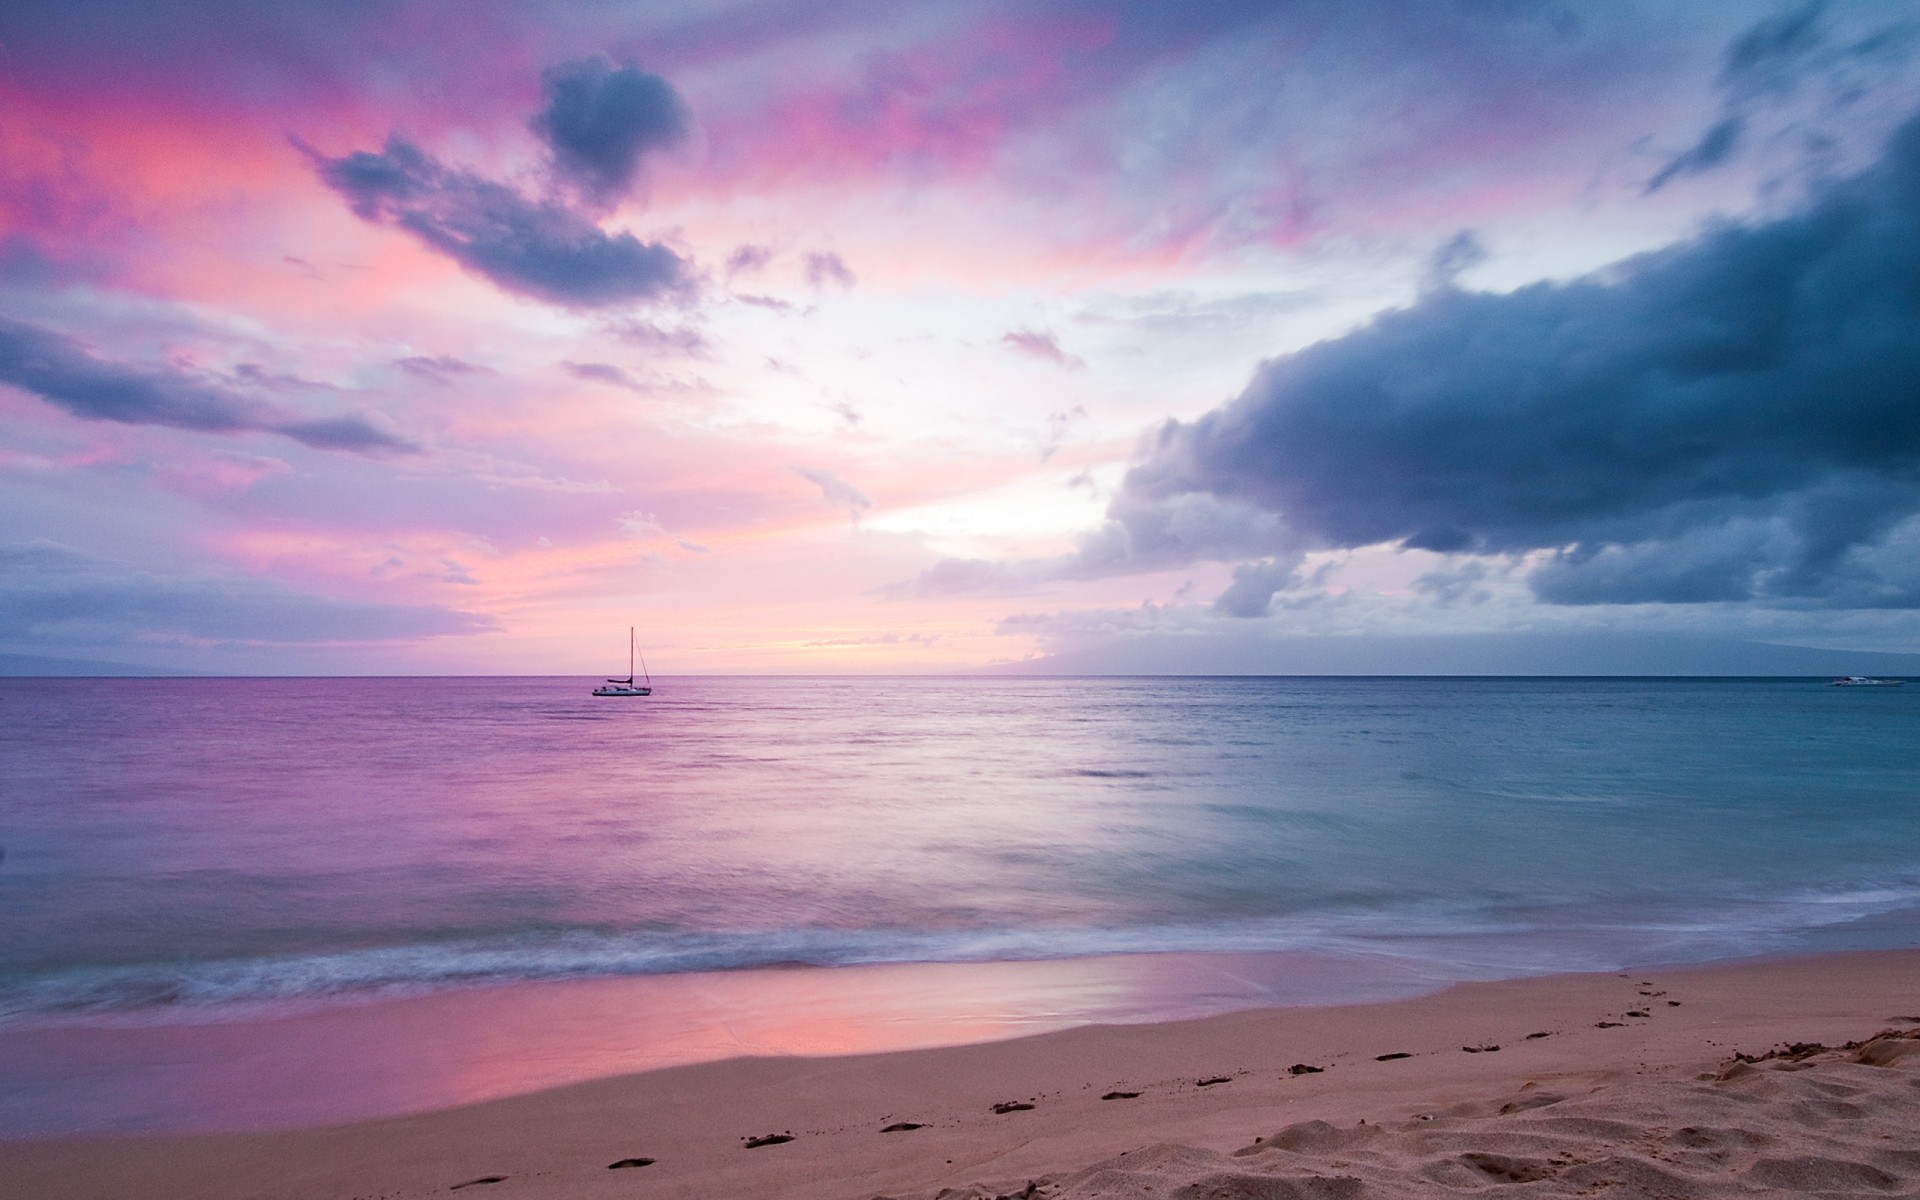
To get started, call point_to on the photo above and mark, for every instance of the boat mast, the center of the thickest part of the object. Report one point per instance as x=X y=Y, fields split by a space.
x=629 y=656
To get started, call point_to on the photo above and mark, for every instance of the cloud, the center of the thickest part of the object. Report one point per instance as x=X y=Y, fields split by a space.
x=1462 y=252
x=684 y=341
x=600 y=119
x=51 y=593
x=827 y=268
x=599 y=372
x=880 y=639
x=748 y=259
x=768 y=302
x=69 y=375
x=1137 y=538
x=1772 y=66
x=1043 y=346
x=973 y=577
x=1714 y=147
x=439 y=368
x=836 y=491
x=1460 y=583
x=1251 y=592
x=1732 y=418
x=541 y=249
x=1057 y=425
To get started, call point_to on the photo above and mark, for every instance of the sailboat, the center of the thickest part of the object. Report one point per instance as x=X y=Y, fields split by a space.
x=627 y=687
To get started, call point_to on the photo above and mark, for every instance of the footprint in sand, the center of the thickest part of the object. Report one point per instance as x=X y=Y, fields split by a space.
x=1121 y=1096
x=1391 y=1057
x=1304 y=1069
x=630 y=1162
x=1607 y=1024
x=1485 y=1048
x=768 y=1139
x=1209 y=1082
x=477 y=1182
x=903 y=1127
x=1541 y=1034
x=1009 y=1106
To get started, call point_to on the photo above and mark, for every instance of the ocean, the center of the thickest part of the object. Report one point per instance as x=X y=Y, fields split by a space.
x=193 y=852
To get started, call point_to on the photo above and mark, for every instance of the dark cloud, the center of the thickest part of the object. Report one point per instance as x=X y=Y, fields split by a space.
x=1790 y=59
x=1733 y=418
x=1460 y=253
x=828 y=269
x=50 y=594
x=70 y=376
x=1714 y=148
x=601 y=119
x=1043 y=346
x=542 y=249
x=1771 y=56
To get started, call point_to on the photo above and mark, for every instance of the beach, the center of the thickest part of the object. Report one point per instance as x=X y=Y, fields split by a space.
x=489 y=935
x=1774 y=1077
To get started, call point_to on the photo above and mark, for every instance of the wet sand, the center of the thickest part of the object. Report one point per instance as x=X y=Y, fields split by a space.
x=1634 y=1084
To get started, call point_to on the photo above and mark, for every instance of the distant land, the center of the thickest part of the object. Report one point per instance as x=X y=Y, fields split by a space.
x=1460 y=654
x=33 y=664
x=1437 y=654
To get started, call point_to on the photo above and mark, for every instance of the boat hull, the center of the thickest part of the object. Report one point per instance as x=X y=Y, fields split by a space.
x=623 y=691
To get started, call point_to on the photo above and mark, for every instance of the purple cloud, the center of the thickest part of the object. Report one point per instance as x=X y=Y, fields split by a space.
x=607 y=373
x=67 y=374
x=827 y=268
x=1043 y=346
x=599 y=121
x=836 y=491
x=439 y=368
x=541 y=249
x=684 y=341
x=748 y=259
x=50 y=594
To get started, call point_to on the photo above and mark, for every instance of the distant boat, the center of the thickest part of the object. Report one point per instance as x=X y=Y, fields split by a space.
x=627 y=687
x=1866 y=681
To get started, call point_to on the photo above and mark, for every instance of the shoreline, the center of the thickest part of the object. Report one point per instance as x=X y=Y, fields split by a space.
x=395 y=1056
x=692 y=1121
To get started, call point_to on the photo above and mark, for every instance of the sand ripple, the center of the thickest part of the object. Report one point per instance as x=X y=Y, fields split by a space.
x=1808 y=1121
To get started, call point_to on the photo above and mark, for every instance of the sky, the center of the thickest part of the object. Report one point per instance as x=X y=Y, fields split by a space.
x=457 y=337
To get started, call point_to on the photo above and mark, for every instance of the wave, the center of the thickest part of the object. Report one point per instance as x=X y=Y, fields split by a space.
x=1447 y=941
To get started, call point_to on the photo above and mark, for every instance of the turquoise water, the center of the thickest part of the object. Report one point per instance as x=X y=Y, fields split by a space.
x=176 y=849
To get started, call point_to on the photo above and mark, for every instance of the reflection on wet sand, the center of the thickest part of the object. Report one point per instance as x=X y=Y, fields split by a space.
x=432 y=1052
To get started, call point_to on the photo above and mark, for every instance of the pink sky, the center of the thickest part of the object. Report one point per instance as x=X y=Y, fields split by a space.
x=824 y=296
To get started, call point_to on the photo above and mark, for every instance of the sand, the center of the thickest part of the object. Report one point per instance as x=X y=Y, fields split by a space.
x=1787 y=1078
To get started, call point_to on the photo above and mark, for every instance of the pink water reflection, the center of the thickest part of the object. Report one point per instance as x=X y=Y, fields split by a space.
x=409 y=1055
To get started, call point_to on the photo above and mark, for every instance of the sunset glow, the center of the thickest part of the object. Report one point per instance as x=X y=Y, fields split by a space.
x=455 y=338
